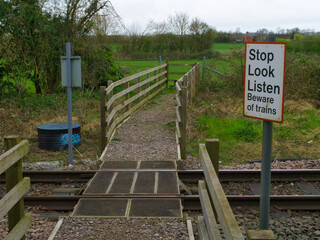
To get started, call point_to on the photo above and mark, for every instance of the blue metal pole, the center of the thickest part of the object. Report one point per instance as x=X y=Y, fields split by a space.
x=69 y=97
x=160 y=60
x=265 y=175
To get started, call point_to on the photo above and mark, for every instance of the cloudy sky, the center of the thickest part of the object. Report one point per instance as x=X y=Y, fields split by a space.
x=226 y=15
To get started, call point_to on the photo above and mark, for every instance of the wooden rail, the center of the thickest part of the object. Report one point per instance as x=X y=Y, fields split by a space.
x=12 y=203
x=126 y=96
x=187 y=87
x=214 y=203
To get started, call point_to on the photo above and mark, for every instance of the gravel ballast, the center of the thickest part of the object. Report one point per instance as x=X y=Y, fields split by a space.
x=120 y=229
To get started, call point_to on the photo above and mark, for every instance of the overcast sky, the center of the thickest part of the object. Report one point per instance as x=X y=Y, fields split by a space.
x=226 y=15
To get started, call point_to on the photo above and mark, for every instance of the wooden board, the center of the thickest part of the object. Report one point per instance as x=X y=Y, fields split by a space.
x=225 y=215
x=209 y=217
x=13 y=155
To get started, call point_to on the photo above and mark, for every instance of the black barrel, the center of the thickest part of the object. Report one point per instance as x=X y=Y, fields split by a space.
x=54 y=136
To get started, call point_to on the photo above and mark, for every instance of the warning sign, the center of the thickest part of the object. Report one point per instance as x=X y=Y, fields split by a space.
x=264 y=81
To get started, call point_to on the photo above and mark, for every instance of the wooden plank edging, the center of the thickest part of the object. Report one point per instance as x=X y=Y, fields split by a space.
x=56 y=229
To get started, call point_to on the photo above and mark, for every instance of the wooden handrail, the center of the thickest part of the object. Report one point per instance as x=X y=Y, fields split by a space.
x=134 y=76
x=132 y=88
x=130 y=100
x=222 y=207
x=130 y=112
x=116 y=103
x=13 y=155
x=14 y=196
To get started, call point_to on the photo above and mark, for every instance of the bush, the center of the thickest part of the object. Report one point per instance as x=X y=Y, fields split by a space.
x=300 y=44
x=302 y=76
x=98 y=65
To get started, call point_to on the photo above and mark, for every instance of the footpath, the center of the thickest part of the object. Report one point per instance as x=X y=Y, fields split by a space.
x=137 y=161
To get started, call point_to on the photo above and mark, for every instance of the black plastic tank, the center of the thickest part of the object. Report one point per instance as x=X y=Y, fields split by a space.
x=54 y=136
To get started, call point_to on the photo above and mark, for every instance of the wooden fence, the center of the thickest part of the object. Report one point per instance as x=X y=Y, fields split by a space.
x=12 y=203
x=179 y=73
x=187 y=88
x=126 y=96
x=214 y=203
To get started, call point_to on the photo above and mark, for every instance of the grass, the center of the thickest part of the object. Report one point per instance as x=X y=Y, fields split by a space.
x=22 y=115
x=241 y=138
x=226 y=49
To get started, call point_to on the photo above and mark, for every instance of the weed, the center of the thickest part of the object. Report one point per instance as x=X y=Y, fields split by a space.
x=171 y=124
x=116 y=139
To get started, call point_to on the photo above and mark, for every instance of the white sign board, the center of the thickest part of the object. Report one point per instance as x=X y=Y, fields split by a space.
x=264 y=81
x=75 y=72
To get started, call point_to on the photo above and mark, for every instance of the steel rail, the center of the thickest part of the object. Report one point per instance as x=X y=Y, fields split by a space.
x=190 y=202
x=184 y=175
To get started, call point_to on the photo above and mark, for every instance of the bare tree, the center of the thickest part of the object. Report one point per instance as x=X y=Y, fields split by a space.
x=78 y=14
x=157 y=28
x=179 y=23
x=106 y=24
x=198 y=27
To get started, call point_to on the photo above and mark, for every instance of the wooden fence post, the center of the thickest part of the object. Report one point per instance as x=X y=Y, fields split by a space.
x=167 y=74
x=198 y=76
x=189 y=88
x=103 y=117
x=148 y=84
x=193 y=80
x=13 y=177
x=127 y=96
x=109 y=109
x=184 y=104
x=212 y=146
x=185 y=81
x=139 y=88
x=154 y=74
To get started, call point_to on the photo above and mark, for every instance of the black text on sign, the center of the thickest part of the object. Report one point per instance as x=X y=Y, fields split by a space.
x=264 y=81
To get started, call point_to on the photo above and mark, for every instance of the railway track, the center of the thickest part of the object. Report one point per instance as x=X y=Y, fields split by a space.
x=184 y=175
x=190 y=202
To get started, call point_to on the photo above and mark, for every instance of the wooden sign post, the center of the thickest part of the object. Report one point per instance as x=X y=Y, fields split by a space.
x=263 y=99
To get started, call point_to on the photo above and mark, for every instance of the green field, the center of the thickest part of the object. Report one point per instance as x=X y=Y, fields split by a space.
x=130 y=67
x=225 y=49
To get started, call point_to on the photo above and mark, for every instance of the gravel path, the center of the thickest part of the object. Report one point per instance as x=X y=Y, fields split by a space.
x=147 y=135
x=120 y=229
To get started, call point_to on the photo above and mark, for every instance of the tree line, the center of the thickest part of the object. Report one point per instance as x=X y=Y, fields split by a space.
x=177 y=37
x=32 y=39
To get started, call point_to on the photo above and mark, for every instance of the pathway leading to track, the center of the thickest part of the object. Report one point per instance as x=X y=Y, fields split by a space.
x=140 y=166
